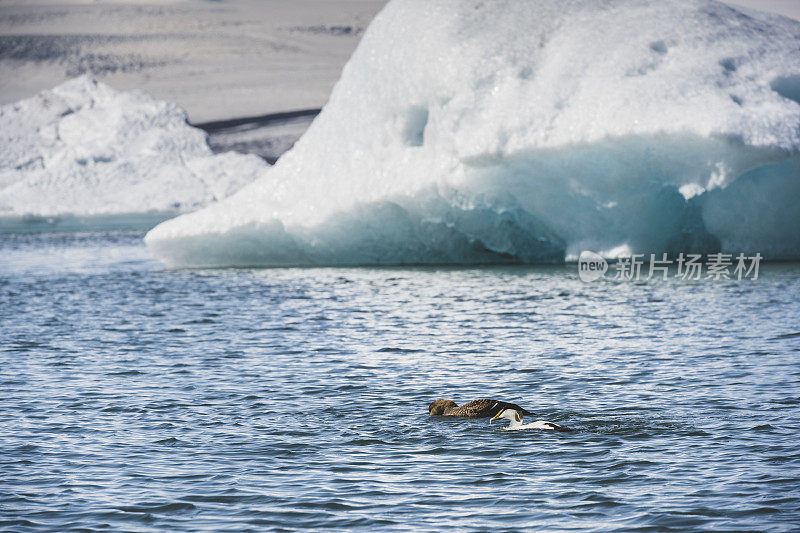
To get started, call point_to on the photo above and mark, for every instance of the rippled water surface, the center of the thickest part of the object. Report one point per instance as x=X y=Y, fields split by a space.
x=139 y=398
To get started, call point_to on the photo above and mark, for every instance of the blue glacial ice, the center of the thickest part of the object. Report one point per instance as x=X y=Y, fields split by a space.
x=464 y=131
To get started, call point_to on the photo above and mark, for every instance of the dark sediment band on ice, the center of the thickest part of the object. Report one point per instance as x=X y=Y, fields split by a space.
x=259 y=120
x=267 y=136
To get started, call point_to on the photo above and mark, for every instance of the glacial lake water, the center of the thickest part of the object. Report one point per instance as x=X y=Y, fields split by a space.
x=138 y=398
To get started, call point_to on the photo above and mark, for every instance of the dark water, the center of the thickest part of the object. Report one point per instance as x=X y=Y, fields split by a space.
x=137 y=398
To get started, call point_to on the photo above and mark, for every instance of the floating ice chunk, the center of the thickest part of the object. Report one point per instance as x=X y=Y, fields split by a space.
x=471 y=131
x=86 y=149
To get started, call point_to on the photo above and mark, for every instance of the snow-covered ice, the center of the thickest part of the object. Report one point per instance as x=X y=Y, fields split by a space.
x=787 y=8
x=84 y=148
x=467 y=131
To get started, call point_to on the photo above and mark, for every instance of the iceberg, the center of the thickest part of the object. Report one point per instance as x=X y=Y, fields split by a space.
x=466 y=132
x=85 y=150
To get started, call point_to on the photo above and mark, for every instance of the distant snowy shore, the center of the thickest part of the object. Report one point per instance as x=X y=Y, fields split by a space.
x=216 y=60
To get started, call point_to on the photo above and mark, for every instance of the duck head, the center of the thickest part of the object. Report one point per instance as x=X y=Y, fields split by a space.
x=509 y=414
x=437 y=407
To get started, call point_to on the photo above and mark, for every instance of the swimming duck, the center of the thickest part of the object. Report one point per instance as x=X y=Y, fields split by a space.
x=482 y=408
x=516 y=422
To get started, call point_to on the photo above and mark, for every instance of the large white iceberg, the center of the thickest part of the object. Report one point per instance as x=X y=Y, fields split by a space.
x=465 y=131
x=84 y=149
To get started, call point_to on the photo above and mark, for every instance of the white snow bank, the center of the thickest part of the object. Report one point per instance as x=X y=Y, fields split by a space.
x=470 y=131
x=86 y=149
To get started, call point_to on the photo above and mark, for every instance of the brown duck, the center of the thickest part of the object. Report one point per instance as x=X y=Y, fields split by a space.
x=482 y=408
